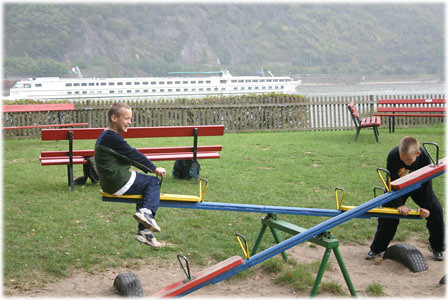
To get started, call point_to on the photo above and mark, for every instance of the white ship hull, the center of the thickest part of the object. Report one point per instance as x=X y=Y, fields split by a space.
x=47 y=88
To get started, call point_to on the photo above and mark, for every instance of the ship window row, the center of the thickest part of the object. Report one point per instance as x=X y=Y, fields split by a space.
x=258 y=88
x=170 y=90
x=143 y=91
x=137 y=83
x=259 y=80
x=128 y=83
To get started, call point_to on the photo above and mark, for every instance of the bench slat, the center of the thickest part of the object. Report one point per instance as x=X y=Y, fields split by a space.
x=183 y=156
x=411 y=109
x=376 y=120
x=370 y=121
x=142 y=150
x=63 y=160
x=411 y=101
x=411 y=115
x=45 y=161
x=46 y=126
x=134 y=132
x=37 y=107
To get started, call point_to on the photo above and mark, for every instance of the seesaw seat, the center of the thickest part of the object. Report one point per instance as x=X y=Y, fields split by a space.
x=163 y=196
x=183 y=286
x=419 y=175
x=383 y=210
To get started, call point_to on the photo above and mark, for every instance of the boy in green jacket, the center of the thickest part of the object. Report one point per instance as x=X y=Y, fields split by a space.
x=114 y=157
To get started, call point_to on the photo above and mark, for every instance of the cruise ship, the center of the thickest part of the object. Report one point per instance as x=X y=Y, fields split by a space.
x=176 y=85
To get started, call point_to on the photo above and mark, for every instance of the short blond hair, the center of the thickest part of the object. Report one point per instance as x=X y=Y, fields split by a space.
x=116 y=109
x=409 y=145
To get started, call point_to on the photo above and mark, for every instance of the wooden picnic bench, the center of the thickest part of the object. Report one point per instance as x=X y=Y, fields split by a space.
x=25 y=108
x=192 y=153
x=392 y=108
x=367 y=122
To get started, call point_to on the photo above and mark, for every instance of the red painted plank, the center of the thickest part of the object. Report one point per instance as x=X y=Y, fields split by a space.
x=47 y=126
x=180 y=149
x=411 y=101
x=182 y=156
x=143 y=150
x=414 y=115
x=54 y=161
x=62 y=153
x=134 y=132
x=370 y=121
x=365 y=121
x=411 y=109
x=376 y=120
x=199 y=278
x=411 y=115
x=78 y=133
x=64 y=160
x=38 y=107
x=418 y=175
x=353 y=109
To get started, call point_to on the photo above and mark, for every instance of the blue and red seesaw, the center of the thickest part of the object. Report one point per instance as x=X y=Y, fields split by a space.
x=237 y=264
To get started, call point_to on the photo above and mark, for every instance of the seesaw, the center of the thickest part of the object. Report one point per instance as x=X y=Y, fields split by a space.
x=399 y=188
x=197 y=202
x=234 y=265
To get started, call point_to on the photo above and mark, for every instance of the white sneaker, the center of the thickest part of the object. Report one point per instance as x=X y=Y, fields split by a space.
x=144 y=216
x=146 y=237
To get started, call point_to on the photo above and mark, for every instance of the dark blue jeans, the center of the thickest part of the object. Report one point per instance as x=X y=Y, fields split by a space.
x=149 y=187
x=425 y=198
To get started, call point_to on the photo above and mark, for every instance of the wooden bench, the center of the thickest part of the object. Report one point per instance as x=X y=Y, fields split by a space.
x=24 y=108
x=392 y=108
x=71 y=157
x=368 y=122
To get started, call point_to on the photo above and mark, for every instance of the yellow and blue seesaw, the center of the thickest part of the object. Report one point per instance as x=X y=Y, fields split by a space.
x=236 y=264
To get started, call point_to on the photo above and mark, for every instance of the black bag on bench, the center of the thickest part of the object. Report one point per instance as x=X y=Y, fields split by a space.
x=89 y=170
x=184 y=169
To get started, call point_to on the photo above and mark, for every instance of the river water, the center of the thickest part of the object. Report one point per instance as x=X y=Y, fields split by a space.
x=418 y=88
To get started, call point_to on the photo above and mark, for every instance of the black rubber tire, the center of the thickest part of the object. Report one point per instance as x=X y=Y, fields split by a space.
x=128 y=285
x=442 y=280
x=407 y=255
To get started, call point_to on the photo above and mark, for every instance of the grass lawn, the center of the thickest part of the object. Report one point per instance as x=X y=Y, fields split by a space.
x=49 y=231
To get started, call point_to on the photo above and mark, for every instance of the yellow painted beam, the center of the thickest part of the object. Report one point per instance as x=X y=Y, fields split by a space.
x=163 y=197
x=383 y=210
x=167 y=197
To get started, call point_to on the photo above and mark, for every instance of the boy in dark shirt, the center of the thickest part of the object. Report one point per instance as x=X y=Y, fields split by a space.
x=114 y=157
x=402 y=160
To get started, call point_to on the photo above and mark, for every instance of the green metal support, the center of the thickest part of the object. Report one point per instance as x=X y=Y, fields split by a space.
x=264 y=225
x=325 y=239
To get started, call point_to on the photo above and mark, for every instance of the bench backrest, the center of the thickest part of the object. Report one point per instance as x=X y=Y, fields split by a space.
x=354 y=112
x=38 y=107
x=353 y=109
x=411 y=101
x=134 y=132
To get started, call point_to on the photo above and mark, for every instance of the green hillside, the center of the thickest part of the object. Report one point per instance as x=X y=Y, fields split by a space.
x=153 y=39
